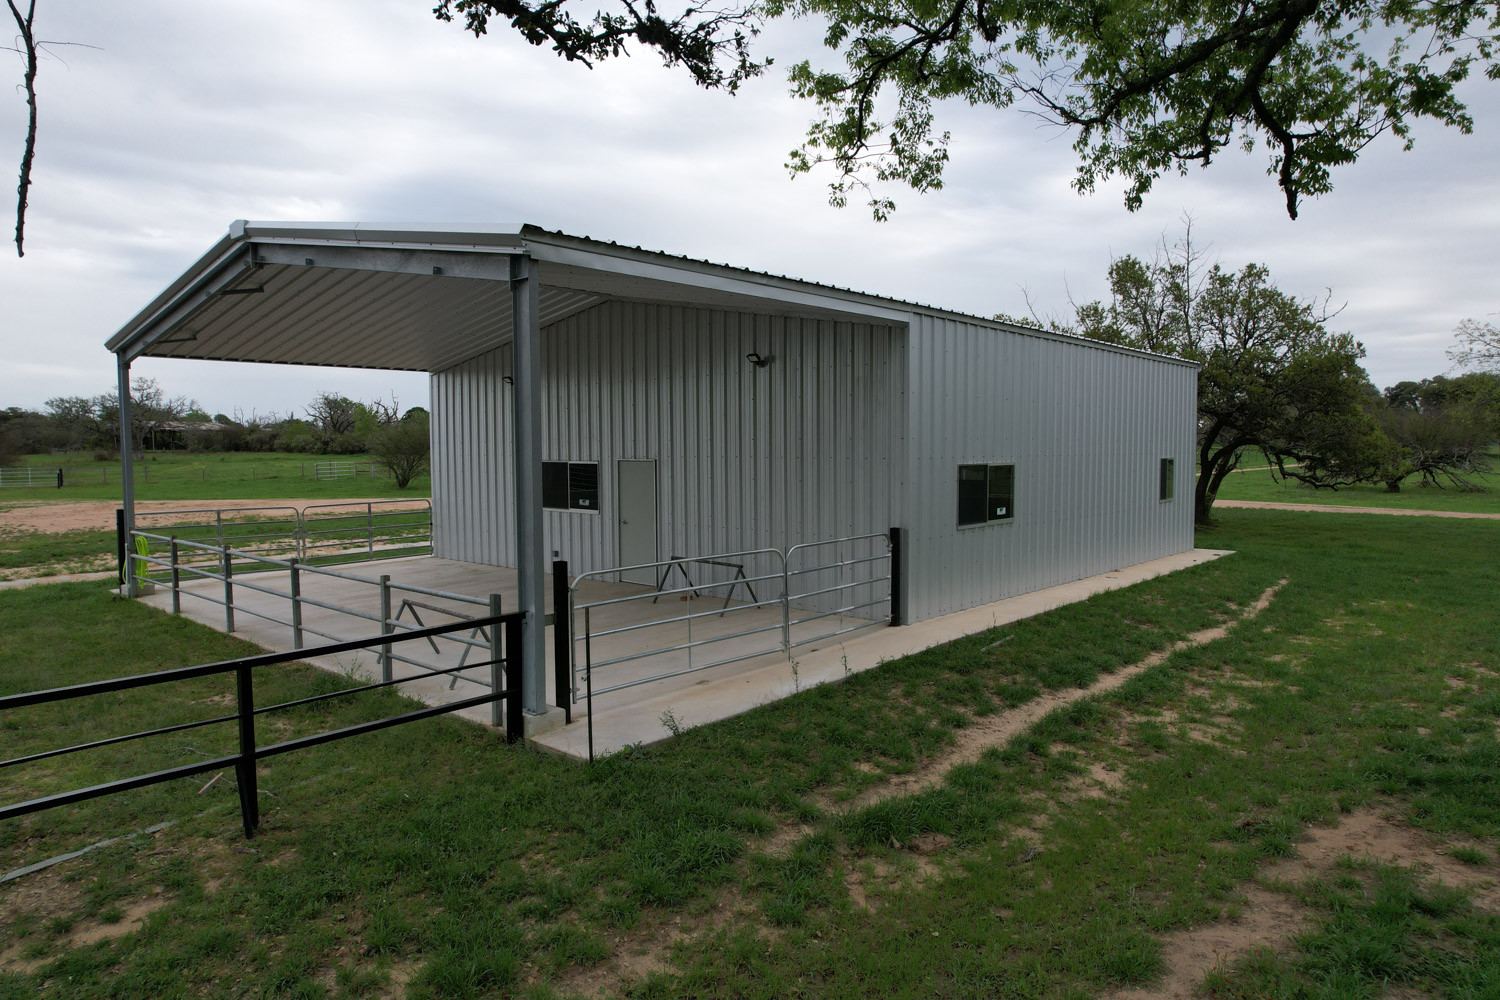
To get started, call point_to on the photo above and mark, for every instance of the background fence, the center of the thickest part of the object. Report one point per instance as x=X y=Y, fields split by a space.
x=324 y=533
x=350 y=470
x=32 y=476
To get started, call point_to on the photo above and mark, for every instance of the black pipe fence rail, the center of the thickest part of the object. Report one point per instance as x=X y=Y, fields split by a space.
x=505 y=683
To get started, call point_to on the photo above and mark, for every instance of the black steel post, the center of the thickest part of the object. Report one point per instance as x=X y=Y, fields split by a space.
x=244 y=768
x=515 y=668
x=562 y=638
x=898 y=570
x=588 y=674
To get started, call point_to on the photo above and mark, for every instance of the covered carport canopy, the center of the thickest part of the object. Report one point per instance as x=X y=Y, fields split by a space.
x=424 y=298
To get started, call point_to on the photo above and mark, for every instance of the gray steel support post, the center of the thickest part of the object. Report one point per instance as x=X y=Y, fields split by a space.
x=526 y=353
x=228 y=565
x=385 y=627
x=176 y=580
x=127 y=474
x=295 y=584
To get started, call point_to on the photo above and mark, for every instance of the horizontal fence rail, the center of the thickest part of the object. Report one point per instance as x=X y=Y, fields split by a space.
x=346 y=531
x=504 y=661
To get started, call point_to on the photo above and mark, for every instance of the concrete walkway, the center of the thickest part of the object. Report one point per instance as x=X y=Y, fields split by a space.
x=632 y=715
x=622 y=720
x=1336 y=509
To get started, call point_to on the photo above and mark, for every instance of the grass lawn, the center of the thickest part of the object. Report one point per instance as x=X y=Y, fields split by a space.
x=181 y=475
x=27 y=553
x=1260 y=486
x=433 y=861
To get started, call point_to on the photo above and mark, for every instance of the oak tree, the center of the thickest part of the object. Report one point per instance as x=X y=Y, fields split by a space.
x=1274 y=380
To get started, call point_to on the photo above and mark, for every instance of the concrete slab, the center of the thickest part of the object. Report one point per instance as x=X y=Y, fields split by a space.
x=750 y=635
x=755 y=683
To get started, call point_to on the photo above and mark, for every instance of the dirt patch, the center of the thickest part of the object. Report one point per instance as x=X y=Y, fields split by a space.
x=90 y=932
x=637 y=953
x=1371 y=835
x=1269 y=918
x=996 y=730
x=80 y=515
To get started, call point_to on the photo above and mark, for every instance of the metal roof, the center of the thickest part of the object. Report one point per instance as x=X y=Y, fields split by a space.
x=426 y=297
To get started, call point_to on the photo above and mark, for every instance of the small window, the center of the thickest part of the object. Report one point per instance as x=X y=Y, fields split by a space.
x=1168 y=465
x=570 y=485
x=986 y=493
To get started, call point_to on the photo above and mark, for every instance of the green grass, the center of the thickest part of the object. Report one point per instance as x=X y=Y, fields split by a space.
x=437 y=853
x=55 y=552
x=1258 y=485
x=180 y=475
x=1384 y=928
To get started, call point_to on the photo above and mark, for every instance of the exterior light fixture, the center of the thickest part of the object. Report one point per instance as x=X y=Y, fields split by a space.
x=757 y=359
x=509 y=380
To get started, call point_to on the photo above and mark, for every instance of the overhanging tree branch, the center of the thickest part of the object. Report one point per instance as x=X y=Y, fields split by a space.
x=26 y=31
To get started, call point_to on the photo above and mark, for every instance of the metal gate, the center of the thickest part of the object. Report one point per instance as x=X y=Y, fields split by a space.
x=756 y=602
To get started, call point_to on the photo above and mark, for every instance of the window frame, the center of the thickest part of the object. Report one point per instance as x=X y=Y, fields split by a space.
x=573 y=494
x=990 y=469
x=1166 y=480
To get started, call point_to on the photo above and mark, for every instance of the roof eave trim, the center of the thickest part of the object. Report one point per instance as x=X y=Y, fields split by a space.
x=582 y=252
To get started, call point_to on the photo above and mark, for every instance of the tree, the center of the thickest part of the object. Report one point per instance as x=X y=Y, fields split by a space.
x=1442 y=443
x=403 y=447
x=1273 y=378
x=333 y=413
x=28 y=47
x=1478 y=346
x=700 y=40
x=1147 y=86
x=149 y=407
x=76 y=419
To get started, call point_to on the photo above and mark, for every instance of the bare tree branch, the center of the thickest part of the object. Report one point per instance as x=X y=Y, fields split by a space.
x=28 y=48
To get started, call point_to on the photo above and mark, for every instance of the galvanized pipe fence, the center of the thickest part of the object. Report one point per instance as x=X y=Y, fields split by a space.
x=29 y=476
x=325 y=531
x=838 y=582
x=504 y=686
x=242 y=570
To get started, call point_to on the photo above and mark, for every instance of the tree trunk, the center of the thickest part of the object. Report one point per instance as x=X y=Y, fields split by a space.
x=1214 y=466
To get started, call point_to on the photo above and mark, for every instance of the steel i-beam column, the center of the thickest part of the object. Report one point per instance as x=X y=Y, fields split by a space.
x=526 y=356
x=127 y=473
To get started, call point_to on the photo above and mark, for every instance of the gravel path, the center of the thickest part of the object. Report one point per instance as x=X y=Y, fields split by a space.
x=74 y=515
x=1332 y=509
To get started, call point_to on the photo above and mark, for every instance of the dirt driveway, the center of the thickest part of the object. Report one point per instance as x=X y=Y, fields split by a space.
x=1333 y=509
x=75 y=515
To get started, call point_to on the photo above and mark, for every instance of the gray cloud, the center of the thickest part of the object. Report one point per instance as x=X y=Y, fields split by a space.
x=192 y=115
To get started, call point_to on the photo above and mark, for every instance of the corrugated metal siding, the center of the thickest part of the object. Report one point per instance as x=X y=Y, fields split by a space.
x=1085 y=429
x=807 y=448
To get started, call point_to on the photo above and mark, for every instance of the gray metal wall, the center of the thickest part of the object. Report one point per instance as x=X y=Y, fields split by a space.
x=1085 y=427
x=807 y=448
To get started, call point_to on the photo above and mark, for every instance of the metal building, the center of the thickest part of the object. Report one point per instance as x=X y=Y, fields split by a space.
x=613 y=406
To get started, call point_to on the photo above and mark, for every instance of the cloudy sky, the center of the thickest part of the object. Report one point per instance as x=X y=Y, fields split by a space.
x=189 y=115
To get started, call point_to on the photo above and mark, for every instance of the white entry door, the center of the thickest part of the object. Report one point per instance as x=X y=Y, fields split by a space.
x=637 y=513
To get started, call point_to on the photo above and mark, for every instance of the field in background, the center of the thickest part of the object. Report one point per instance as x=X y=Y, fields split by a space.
x=180 y=475
x=1309 y=797
x=1258 y=485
